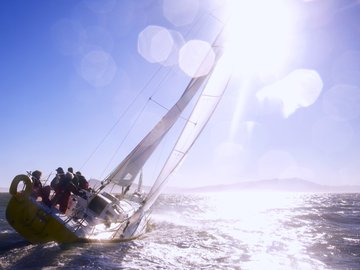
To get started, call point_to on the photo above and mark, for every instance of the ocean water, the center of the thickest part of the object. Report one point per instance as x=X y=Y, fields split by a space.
x=214 y=231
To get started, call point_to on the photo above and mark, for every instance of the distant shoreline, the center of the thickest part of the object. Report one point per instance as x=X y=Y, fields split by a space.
x=271 y=185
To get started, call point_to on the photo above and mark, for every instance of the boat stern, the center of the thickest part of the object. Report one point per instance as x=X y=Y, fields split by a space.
x=33 y=220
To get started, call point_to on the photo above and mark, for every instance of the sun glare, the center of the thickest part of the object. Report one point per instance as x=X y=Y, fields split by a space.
x=258 y=40
x=258 y=35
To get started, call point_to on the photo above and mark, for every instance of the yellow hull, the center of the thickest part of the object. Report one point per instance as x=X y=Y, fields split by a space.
x=38 y=223
x=34 y=222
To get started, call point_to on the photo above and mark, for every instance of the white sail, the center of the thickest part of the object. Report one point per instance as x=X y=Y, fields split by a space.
x=201 y=113
x=124 y=174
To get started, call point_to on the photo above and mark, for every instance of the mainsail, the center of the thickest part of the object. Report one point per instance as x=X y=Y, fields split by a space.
x=125 y=173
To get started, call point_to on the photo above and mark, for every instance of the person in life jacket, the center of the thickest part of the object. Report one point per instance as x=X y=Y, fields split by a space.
x=83 y=183
x=75 y=180
x=63 y=187
x=38 y=189
x=57 y=179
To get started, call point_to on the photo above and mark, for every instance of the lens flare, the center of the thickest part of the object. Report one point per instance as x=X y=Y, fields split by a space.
x=155 y=43
x=98 y=68
x=196 y=58
x=182 y=12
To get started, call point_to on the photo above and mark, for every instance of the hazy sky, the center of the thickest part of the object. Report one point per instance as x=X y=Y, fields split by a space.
x=70 y=69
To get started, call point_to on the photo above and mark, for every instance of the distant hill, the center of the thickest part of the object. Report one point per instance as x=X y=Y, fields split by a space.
x=279 y=185
x=282 y=185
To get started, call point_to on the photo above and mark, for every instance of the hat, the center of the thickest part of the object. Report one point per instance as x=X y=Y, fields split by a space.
x=60 y=170
x=70 y=169
x=36 y=174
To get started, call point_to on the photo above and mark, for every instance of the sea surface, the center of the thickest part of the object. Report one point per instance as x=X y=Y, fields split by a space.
x=214 y=231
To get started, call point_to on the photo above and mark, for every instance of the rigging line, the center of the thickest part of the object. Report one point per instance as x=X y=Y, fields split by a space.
x=167 y=74
x=112 y=188
x=136 y=120
x=158 y=103
x=167 y=109
x=121 y=116
x=197 y=23
x=158 y=156
x=123 y=140
x=183 y=154
x=211 y=14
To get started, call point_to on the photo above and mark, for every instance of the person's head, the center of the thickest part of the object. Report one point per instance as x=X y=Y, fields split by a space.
x=37 y=174
x=70 y=169
x=78 y=173
x=60 y=170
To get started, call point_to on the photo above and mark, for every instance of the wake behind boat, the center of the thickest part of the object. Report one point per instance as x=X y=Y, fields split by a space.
x=97 y=215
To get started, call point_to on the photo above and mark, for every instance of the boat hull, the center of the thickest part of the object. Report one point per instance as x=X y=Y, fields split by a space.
x=39 y=223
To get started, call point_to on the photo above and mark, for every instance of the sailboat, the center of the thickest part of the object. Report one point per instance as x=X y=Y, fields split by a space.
x=99 y=215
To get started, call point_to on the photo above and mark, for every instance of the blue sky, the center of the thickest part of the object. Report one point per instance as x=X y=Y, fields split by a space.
x=297 y=119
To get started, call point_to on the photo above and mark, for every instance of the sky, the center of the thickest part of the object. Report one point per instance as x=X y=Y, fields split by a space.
x=75 y=74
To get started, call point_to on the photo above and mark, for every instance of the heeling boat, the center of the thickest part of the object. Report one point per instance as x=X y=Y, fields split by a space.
x=98 y=215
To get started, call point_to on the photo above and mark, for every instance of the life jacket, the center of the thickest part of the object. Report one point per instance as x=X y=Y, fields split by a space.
x=83 y=183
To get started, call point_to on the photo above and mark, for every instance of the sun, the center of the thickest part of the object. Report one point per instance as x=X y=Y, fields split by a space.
x=259 y=35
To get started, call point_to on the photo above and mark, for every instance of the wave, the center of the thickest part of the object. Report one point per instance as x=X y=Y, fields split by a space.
x=278 y=231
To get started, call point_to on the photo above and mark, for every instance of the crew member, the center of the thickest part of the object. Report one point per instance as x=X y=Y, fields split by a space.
x=38 y=189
